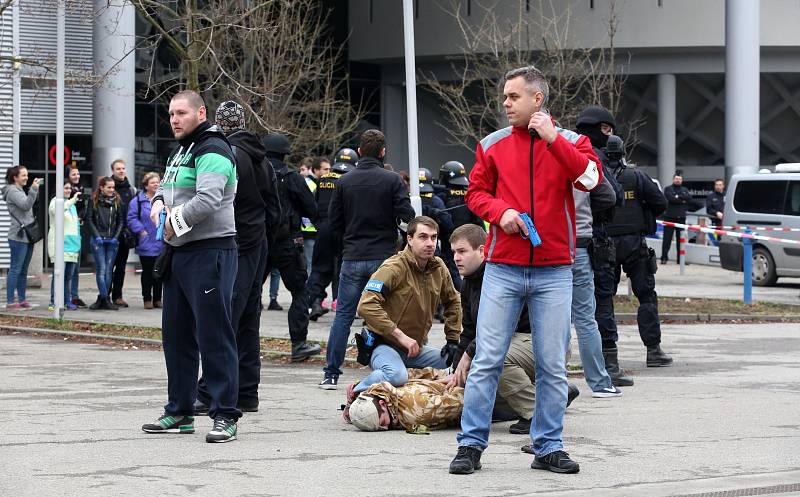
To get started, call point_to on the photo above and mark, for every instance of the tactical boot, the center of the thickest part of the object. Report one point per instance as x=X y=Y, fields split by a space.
x=657 y=358
x=317 y=310
x=618 y=378
x=303 y=350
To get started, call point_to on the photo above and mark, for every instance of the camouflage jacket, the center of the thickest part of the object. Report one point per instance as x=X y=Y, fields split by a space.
x=422 y=401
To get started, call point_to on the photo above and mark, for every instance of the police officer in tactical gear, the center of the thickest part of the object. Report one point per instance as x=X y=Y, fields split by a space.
x=643 y=201
x=453 y=175
x=325 y=262
x=286 y=252
x=454 y=181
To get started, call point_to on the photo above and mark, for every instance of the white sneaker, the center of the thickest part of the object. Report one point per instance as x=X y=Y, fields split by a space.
x=607 y=392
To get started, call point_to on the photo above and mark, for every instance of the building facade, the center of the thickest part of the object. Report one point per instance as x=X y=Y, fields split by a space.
x=673 y=54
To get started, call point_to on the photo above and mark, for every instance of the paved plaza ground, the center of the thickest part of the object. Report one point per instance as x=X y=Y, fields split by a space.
x=723 y=419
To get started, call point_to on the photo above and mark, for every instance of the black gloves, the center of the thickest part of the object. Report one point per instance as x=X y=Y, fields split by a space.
x=449 y=352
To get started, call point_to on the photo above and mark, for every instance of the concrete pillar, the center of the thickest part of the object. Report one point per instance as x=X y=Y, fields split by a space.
x=666 y=128
x=394 y=125
x=114 y=100
x=742 y=72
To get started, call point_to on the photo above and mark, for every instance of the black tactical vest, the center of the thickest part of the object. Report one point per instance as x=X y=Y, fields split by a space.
x=458 y=207
x=628 y=219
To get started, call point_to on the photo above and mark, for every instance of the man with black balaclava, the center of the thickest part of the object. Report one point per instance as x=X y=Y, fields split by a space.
x=255 y=195
x=618 y=244
x=286 y=252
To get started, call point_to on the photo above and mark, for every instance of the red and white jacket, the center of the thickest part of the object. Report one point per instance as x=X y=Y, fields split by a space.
x=502 y=179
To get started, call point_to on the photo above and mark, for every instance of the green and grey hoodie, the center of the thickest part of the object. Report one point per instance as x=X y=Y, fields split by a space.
x=199 y=187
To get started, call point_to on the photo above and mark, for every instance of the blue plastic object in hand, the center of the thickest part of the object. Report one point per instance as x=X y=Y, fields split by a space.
x=533 y=235
x=162 y=219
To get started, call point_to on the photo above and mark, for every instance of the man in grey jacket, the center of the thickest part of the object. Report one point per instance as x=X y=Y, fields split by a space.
x=197 y=193
x=590 y=345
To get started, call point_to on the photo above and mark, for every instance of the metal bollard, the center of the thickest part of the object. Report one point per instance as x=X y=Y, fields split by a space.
x=747 y=268
x=682 y=252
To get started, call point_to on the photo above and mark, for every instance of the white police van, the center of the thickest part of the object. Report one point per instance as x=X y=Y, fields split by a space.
x=770 y=199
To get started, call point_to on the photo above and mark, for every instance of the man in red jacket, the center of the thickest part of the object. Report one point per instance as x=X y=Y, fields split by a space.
x=528 y=167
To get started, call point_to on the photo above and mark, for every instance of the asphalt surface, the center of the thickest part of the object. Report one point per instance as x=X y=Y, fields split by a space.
x=723 y=419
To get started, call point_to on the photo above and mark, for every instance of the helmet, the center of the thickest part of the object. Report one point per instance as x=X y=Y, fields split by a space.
x=341 y=167
x=425 y=180
x=277 y=144
x=364 y=414
x=614 y=148
x=595 y=115
x=453 y=173
x=347 y=156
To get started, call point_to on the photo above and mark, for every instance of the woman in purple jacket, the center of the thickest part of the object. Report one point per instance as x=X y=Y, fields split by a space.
x=148 y=248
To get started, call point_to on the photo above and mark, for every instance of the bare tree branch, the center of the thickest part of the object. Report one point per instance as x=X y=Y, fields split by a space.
x=470 y=101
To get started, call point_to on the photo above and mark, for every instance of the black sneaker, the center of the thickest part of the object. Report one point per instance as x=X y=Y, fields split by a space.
x=329 y=383
x=80 y=304
x=248 y=407
x=466 y=462
x=303 y=350
x=657 y=357
x=274 y=305
x=557 y=462
x=572 y=393
x=170 y=424
x=200 y=408
x=521 y=427
x=224 y=430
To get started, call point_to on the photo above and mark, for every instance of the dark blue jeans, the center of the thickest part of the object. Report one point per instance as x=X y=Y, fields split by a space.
x=352 y=280
x=21 y=253
x=104 y=251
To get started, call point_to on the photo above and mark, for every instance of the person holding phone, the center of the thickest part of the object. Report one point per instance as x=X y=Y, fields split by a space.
x=529 y=167
x=77 y=189
x=20 y=208
x=72 y=244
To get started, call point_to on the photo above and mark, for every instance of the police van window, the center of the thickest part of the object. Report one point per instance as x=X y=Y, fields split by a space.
x=764 y=197
x=793 y=199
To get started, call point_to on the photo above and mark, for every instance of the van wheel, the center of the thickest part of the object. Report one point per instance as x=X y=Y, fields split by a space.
x=763 y=268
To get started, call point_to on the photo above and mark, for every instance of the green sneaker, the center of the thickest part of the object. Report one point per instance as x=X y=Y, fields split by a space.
x=170 y=424
x=224 y=430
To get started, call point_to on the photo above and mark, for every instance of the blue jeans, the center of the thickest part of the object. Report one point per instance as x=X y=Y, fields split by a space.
x=390 y=365
x=353 y=277
x=69 y=271
x=589 y=342
x=274 y=283
x=17 y=279
x=548 y=293
x=104 y=252
x=76 y=278
x=308 y=252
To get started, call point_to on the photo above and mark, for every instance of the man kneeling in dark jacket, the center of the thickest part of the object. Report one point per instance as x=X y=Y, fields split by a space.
x=515 y=391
